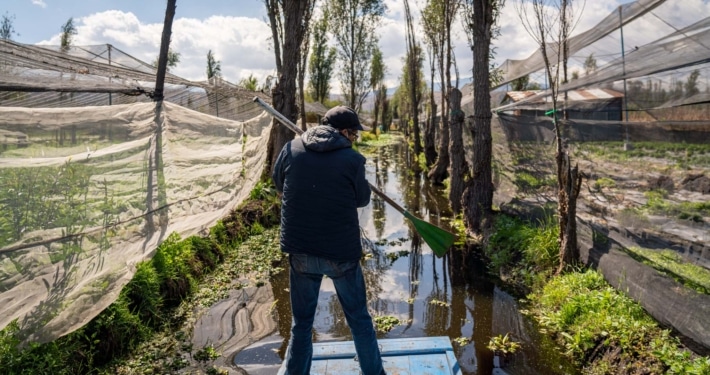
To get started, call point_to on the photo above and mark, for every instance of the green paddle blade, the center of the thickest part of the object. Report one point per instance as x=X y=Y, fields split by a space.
x=439 y=240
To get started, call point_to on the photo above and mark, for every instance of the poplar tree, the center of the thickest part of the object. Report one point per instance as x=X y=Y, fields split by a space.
x=480 y=18
x=322 y=62
x=353 y=24
x=413 y=66
x=68 y=32
x=377 y=83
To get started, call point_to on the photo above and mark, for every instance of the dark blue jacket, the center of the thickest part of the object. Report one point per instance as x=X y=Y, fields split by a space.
x=323 y=183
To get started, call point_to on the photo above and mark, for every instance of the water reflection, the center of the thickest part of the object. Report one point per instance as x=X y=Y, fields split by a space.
x=430 y=295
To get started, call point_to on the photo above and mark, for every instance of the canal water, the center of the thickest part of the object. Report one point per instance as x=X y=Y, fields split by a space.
x=428 y=295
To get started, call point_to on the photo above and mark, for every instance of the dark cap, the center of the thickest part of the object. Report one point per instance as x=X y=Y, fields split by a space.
x=342 y=117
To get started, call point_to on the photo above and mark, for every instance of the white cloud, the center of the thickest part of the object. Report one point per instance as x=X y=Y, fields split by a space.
x=241 y=44
x=39 y=3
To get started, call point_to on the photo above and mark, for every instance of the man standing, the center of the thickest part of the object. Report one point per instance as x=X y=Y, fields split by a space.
x=323 y=183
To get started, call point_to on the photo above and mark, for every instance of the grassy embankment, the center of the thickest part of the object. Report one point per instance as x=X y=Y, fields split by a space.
x=602 y=330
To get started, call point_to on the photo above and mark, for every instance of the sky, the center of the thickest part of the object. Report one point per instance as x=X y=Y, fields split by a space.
x=237 y=33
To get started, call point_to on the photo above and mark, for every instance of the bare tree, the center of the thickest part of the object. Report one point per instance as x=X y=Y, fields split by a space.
x=7 y=29
x=480 y=18
x=550 y=23
x=273 y=10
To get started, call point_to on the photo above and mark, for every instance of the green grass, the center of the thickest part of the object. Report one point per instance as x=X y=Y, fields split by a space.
x=598 y=327
x=367 y=139
x=588 y=316
x=528 y=182
x=683 y=154
x=526 y=251
x=671 y=263
x=691 y=211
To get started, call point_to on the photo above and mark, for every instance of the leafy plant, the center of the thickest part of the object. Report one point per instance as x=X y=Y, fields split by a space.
x=503 y=344
x=385 y=323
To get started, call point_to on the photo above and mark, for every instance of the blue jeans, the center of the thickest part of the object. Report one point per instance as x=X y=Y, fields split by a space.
x=306 y=274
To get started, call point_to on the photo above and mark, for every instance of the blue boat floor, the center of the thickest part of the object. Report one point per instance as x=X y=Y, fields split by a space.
x=419 y=355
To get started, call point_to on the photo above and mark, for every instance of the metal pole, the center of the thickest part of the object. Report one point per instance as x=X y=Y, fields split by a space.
x=110 y=102
x=623 y=71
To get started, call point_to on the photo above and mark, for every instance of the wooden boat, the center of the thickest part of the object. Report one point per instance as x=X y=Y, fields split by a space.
x=420 y=355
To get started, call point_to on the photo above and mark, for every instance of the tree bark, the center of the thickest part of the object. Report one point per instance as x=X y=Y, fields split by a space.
x=571 y=181
x=284 y=94
x=478 y=195
x=458 y=170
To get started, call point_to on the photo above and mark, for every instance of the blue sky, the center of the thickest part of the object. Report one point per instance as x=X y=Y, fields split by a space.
x=236 y=32
x=38 y=20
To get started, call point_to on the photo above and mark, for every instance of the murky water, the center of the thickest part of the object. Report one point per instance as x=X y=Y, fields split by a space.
x=429 y=296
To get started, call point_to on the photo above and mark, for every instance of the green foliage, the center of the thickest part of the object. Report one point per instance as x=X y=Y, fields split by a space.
x=143 y=294
x=657 y=204
x=530 y=252
x=585 y=313
x=44 y=198
x=67 y=36
x=250 y=83
x=385 y=323
x=322 y=61
x=604 y=183
x=671 y=263
x=173 y=60
x=263 y=191
x=62 y=357
x=115 y=332
x=684 y=154
x=528 y=182
x=214 y=67
x=503 y=344
x=353 y=25
x=173 y=260
x=208 y=353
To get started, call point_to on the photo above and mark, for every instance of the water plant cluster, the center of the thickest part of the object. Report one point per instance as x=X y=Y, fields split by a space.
x=598 y=327
x=152 y=305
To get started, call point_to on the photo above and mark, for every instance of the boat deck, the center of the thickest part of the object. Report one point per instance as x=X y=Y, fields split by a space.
x=420 y=355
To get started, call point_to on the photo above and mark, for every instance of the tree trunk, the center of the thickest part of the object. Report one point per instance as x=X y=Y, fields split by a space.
x=430 y=138
x=458 y=169
x=284 y=94
x=571 y=181
x=438 y=172
x=478 y=195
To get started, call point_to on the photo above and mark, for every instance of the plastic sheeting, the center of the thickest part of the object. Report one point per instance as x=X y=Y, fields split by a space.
x=87 y=193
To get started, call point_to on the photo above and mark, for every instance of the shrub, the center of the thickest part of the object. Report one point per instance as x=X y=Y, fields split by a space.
x=143 y=294
x=174 y=262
